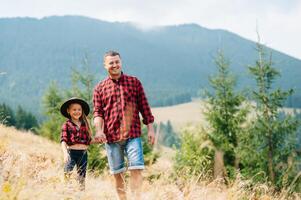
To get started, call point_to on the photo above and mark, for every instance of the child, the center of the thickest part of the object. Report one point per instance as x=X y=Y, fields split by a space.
x=75 y=138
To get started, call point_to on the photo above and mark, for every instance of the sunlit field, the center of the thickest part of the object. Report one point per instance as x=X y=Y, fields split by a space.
x=32 y=168
x=180 y=115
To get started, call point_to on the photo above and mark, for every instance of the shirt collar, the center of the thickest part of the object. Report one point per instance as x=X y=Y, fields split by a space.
x=119 y=79
x=81 y=121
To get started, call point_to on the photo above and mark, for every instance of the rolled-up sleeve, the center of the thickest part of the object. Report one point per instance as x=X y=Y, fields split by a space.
x=143 y=105
x=64 y=133
x=97 y=102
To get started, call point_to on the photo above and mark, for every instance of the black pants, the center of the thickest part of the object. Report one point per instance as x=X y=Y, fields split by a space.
x=78 y=158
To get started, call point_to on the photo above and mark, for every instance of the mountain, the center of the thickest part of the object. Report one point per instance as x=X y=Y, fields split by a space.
x=171 y=61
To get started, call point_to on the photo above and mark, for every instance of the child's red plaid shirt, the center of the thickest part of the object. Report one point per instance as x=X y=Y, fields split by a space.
x=72 y=134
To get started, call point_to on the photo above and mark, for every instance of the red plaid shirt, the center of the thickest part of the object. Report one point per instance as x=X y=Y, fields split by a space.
x=72 y=134
x=118 y=103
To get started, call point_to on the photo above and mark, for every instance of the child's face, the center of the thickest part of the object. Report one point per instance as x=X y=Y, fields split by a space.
x=75 y=111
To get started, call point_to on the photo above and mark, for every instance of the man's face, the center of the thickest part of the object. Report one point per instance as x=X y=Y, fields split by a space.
x=113 y=65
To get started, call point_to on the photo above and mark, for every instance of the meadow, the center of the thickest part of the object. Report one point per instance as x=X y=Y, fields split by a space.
x=31 y=167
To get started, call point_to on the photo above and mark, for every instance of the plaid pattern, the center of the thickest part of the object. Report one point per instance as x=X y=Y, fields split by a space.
x=119 y=102
x=72 y=134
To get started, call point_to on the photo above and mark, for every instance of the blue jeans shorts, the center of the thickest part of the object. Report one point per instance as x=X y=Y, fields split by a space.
x=131 y=149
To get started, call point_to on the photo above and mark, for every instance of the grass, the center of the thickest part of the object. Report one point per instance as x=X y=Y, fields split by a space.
x=31 y=167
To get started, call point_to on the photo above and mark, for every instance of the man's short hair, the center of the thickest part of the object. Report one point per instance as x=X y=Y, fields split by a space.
x=111 y=53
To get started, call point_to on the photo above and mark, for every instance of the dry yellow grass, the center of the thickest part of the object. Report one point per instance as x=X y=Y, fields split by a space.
x=31 y=167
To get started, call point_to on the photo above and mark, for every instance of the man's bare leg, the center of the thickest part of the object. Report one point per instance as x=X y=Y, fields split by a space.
x=136 y=183
x=120 y=186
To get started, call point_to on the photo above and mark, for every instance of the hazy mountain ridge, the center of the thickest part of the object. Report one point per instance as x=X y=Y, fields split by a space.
x=168 y=60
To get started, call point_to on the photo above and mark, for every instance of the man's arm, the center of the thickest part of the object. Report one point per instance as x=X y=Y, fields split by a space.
x=143 y=105
x=146 y=113
x=151 y=133
x=98 y=113
x=99 y=135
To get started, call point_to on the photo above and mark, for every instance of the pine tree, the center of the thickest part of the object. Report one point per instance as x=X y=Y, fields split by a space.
x=52 y=100
x=226 y=114
x=7 y=116
x=273 y=137
x=82 y=82
x=25 y=120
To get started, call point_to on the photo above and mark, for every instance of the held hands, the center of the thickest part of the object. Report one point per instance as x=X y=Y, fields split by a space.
x=100 y=137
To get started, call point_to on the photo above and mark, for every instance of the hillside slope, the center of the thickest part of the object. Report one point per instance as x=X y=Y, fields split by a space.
x=180 y=115
x=31 y=168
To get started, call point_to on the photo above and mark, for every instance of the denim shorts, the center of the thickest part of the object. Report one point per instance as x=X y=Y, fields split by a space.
x=131 y=149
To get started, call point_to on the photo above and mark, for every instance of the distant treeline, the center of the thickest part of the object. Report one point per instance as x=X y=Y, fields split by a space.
x=161 y=99
x=21 y=119
x=167 y=98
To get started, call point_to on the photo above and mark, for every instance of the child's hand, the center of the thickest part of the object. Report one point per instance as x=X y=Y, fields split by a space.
x=66 y=157
x=93 y=141
x=100 y=137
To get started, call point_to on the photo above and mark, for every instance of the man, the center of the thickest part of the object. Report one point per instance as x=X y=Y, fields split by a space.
x=117 y=102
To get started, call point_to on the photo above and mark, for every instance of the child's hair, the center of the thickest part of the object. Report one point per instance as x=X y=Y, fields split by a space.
x=84 y=117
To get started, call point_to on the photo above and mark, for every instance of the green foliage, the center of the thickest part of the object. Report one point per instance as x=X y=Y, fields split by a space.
x=52 y=100
x=271 y=142
x=150 y=156
x=25 y=120
x=195 y=155
x=7 y=116
x=21 y=119
x=82 y=82
x=97 y=162
x=169 y=97
x=168 y=137
x=225 y=113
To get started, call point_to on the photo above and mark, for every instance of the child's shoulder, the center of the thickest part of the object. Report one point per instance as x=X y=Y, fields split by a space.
x=66 y=123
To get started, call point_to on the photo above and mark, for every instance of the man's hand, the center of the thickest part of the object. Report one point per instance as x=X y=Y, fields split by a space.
x=100 y=137
x=151 y=134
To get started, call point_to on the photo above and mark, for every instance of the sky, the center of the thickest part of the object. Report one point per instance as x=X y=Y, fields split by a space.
x=277 y=21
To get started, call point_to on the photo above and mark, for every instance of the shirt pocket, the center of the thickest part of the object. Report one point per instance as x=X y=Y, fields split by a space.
x=129 y=94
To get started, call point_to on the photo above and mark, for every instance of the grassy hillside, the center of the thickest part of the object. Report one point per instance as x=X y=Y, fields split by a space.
x=189 y=114
x=180 y=115
x=31 y=168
